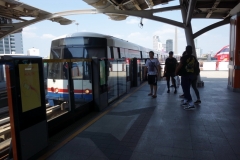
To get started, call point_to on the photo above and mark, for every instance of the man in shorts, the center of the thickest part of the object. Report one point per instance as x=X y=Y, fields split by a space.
x=153 y=67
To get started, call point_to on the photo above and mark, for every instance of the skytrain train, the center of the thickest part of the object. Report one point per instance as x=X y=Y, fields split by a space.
x=86 y=45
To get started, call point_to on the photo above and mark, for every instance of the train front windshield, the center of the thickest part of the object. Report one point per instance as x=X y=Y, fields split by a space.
x=75 y=49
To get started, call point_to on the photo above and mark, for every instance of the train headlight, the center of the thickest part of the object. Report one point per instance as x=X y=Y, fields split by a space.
x=56 y=90
x=87 y=91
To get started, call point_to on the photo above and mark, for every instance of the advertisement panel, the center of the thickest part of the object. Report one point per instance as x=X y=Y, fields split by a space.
x=29 y=86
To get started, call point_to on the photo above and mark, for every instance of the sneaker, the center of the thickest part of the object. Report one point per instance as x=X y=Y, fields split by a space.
x=181 y=96
x=197 y=102
x=168 y=91
x=184 y=104
x=189 y=107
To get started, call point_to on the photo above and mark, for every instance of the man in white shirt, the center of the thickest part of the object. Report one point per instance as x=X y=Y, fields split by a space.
x=153 y=67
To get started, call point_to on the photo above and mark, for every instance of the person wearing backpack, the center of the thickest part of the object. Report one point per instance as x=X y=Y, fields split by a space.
x=194 y=82
x=187 y=66
x=152 y=67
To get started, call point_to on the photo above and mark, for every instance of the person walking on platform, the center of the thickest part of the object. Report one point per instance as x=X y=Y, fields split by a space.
x=170 y=67
x=188 y=64
x=194 y=82
x=180 y=74
x=152 y=66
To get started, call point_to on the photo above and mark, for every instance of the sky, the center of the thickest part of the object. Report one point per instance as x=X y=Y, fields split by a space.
x=40 y=35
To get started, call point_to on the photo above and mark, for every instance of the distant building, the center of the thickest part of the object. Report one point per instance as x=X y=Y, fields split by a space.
x=199 y=52
x=163 y=47
x=157 y=44
x=11 y=44
x=169 y=45
x=33 y=52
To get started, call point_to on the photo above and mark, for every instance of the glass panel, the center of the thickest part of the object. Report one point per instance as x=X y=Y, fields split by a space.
x=122 y=53
x=108 y=53
x=141 y=68
x=83 y=52
x=115 y=53
x=82 y=82
x=73 y=52
x=122 y=80
x=126 y=53
x=134 y=54
x=99 y=52
x=57 y=91
x=112 y=81
x=1 y=74
x=5 y=128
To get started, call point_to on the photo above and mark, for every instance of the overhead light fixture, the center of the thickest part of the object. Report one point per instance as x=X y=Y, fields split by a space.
x=141 y=23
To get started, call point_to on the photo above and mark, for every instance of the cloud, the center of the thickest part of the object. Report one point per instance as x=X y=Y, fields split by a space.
x=29 y=32
x=136 y=21
x=133 y=21
x=118 y=36
x=143 y=39
x=29 y=28
x=48 y=36
x=165 y=32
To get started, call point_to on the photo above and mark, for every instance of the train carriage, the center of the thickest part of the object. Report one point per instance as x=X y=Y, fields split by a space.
x=85 y=45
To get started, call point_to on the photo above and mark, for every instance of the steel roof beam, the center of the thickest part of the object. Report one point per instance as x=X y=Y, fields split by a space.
x=235 y=10
x=136 y=4
x=54 y=17
x=116 y=4
x=190 y=11
x=213 y=8
x=148 y=14
x=210 y=27
x=149 y=3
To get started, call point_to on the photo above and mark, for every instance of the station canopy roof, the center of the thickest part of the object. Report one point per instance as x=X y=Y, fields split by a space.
x=216 y=9
x=14 y=9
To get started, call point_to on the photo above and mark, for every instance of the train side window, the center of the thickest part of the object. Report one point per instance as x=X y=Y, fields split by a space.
x=109 y=52
x=122 y=53
x=134 y=54
x=141 y=54
x=115 y=53
x=126 y=53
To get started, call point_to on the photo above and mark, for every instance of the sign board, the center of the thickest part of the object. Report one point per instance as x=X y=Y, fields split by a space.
x=27 y=108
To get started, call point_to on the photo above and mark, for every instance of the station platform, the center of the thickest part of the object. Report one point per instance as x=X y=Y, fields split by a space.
x=139 y=127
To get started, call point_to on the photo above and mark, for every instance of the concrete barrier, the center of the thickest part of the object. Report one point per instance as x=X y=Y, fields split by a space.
x=209 y=66
x=223 y=66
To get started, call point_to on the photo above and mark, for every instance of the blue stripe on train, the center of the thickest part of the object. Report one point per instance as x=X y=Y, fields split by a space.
x=54 y=98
